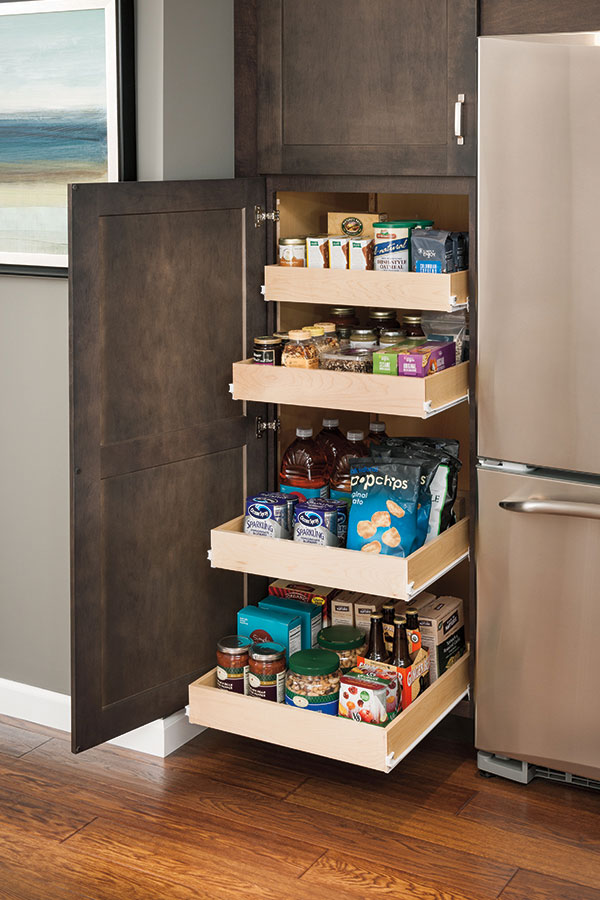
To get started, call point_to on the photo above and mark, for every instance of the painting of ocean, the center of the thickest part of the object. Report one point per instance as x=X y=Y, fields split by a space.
x=53 y=125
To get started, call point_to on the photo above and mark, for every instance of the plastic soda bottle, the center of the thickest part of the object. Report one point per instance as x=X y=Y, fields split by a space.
x=376 y=434
x=304 y=467
x=339 y=485
x=331 y=440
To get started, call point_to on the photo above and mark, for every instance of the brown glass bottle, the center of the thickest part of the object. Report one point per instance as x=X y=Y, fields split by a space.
x=376 y=648
x=413 y=632
x=400 y=655
x=389 y=611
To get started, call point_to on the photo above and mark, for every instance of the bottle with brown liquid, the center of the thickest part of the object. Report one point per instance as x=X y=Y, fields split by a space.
x=388 y=611
x=376 y=649
x=400 y=655
x=413 y=632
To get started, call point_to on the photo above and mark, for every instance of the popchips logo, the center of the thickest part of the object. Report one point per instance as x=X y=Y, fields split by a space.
x=370 y=480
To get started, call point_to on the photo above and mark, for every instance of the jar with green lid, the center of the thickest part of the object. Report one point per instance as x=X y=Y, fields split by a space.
x=363 y=339
x=391 y=336
x=345 y=640
x=292 y=252
x=382 y=320
x=313 y=681
x=343 y=316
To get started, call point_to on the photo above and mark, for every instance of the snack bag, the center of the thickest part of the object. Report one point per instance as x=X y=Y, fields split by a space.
x=383 y=514
x=402 y=451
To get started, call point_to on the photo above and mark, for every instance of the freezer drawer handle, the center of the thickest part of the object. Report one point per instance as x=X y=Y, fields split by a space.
x=553 y=508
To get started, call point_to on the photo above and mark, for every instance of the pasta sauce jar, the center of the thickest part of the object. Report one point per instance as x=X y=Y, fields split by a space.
x=232 y=663
x=267 y=672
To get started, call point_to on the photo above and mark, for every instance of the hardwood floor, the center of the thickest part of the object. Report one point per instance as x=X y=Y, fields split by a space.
x=224 y=818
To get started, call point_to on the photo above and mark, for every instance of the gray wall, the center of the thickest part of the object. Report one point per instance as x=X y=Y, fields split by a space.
x=185 y=130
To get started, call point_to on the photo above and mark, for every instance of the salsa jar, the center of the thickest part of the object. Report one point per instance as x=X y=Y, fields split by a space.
x=345 y=640
x=233 y=663
x=267 y=350
x=292 y=252
x=266 y=679
x=313 y=681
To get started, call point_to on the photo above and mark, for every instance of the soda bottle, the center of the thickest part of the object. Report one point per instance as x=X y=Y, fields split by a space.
x=377 y=433
x=304 y=467
x=331 y=440
x=339 y=484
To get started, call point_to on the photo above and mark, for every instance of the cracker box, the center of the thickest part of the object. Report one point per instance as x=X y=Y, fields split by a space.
x=385 y=362
x=317 y=252
x=363 y=698
x=354 y=225
x=412 y=680
x=271 y=625
x=364 y=605
x=427 y=359
x=442 y=626
x=338 y=252
x=311 y=616
x=342 y=607
x=309 y=593
x=360 y=253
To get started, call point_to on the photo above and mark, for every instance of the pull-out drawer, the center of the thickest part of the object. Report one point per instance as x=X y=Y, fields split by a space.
x=330 y=736
x=387 y=576
x=383 y=394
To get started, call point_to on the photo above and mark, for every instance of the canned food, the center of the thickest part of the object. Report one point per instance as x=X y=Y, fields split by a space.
x=292 y=252
x=267 y=350
x=392 y=243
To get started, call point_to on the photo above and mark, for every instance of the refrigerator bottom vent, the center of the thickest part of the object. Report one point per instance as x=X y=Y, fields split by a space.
x=524 y=772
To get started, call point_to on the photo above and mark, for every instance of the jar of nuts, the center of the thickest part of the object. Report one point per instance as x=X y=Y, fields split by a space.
x=345 y=640
x=331 y=339
x=300 y=351
x=313 y=681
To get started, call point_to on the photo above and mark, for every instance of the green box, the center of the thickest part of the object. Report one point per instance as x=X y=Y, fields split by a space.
x=385 y=362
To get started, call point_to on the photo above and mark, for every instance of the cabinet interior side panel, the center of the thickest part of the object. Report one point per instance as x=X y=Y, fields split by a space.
x=155 y=536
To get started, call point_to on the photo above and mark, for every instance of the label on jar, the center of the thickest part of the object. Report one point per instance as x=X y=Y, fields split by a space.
x=292 y=255
x=267 y=687
x=233 y=679
x=325 y=703
x=264 y=356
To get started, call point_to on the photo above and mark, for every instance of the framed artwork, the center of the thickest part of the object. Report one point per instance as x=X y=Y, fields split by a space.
x=67 y=115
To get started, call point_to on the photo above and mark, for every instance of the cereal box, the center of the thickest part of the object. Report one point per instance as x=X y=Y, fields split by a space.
x=311 y=616
x=271 y=625
x=427 y=359
x=342 y=607
x=390 y=676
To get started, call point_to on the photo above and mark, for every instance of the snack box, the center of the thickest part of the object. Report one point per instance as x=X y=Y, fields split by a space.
x=364 y=605
x=271 y=625
x=354 y=225
x=338 y=251
x=442 y=626
x=412 y=680
x=360 y=253
x=308 y=593
x=317 y=251
x=342 y=607
x=310 y=614
x=390 y=676
x=427 y=359
x=363 y=697
x=385 y=362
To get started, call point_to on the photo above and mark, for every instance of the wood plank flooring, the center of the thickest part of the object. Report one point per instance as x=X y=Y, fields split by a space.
x=224 y=818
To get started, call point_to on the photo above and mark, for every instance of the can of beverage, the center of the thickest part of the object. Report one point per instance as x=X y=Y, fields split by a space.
x=342 y=519
x=289 y=499
x=266 y=517
x=315 y=522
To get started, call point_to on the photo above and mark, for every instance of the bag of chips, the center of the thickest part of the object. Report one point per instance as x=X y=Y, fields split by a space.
x=383 y=514
x=407 y=453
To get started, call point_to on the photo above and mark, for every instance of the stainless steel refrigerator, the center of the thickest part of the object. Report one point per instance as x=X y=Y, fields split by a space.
x=537 y=686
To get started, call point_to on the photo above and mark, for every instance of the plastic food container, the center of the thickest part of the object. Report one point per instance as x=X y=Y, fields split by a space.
x=345 y=640
x=300 y=351
x=348 y=360
x=313 y=681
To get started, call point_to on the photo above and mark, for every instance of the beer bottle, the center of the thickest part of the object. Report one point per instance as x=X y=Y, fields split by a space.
x=413 y=632
x=400 y=655
x=376 y=649
x=389 y=611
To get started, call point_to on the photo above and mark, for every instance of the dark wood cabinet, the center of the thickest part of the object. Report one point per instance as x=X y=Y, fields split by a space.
x=367 y=87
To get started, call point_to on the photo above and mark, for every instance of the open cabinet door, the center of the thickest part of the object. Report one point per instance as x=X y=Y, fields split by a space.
x=164 y=296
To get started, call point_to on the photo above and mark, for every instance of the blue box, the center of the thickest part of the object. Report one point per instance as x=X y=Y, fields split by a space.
x=310 y=614
x=272 y=625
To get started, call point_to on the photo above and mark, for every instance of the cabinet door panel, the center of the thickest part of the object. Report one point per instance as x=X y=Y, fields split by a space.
x=367 y=87
x=164 y=297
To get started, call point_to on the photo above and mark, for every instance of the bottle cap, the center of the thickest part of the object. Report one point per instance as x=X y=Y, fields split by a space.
x=388 y=606
x=327 y=327
x=304 y=432
x=355 y=435
x=376 y=615
x=331 y=423
x=299 y=335
x=399 y=620
x=377 y=427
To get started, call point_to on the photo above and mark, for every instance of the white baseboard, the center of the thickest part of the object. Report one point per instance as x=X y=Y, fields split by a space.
x=49 y=708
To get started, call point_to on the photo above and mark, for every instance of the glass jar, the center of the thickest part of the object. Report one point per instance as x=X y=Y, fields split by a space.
x=317 y=335
x=331 y=339
x=382 y=319
x=283 y=336
x=266 y=679
x=411 y=325
x=363 y=339
x=233 y=664
x=267 y=350
x=345 y=640
x=300 y=352
x=313 y=681
x=292 y=252
x=390 y=337
x=343 y=316
x=343 y=334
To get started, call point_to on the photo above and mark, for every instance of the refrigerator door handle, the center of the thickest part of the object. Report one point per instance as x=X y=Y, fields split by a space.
x=553 y=508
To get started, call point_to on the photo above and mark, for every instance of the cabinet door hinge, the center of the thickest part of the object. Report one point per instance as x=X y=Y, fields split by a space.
x=261 y=216
x=262 y=426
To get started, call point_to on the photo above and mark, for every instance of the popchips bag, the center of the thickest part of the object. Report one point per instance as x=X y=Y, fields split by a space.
x=409 y=454
x=383 y=514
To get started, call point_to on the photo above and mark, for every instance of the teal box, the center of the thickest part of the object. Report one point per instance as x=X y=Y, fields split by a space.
x=271 y=625
x=310 y=614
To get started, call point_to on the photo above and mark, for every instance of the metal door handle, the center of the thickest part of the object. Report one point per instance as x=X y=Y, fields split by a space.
x=553 y=508
x=458 y=119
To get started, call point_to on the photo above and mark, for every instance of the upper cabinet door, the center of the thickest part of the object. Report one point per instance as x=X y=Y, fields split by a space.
x=165 y=295
x=366 y=87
